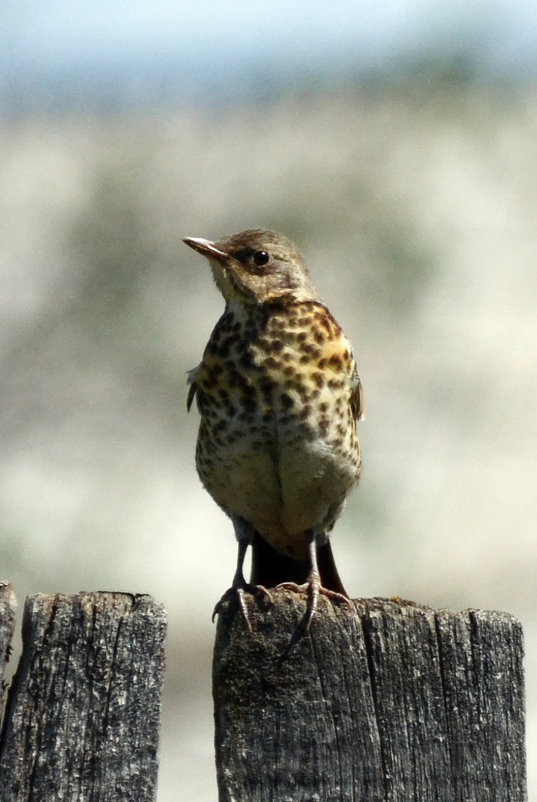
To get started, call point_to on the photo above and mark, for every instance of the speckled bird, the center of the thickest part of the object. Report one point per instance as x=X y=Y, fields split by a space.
x=279 y=395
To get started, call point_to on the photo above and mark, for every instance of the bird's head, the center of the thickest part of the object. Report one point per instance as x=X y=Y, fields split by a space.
x=257 y=266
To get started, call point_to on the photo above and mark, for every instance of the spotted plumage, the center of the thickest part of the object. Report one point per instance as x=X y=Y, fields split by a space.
x=279 y=395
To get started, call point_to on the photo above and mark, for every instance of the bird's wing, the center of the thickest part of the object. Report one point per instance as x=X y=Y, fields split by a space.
x=357 y=397
x=192 y=380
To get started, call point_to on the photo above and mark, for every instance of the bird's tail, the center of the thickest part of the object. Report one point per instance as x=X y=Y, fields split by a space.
x=270 y=568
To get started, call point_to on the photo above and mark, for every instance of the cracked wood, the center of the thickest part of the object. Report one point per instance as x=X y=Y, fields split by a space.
x=393 y=702
x=81 y=722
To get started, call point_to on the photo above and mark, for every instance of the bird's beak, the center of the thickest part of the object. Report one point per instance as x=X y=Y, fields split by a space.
x=207 y=249
x=226 y=270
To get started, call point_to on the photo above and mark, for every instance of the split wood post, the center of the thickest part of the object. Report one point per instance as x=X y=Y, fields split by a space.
x=392 y=703
x=8 y=608
x=82 y=715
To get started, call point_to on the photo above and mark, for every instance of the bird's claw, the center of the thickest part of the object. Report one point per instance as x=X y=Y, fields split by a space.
x=239 y=593
x=314 y=589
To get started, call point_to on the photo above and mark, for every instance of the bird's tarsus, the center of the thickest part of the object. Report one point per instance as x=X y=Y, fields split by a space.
x=313 y=587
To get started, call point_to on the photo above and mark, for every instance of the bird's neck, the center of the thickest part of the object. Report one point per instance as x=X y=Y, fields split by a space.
x=247 y=311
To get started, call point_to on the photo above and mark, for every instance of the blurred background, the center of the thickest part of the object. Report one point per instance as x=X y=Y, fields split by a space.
x=397 y=144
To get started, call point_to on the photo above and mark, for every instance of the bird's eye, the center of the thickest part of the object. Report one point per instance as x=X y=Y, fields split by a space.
x=261 y=258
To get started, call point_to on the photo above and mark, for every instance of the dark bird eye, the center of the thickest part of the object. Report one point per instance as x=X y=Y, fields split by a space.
x=261 y=258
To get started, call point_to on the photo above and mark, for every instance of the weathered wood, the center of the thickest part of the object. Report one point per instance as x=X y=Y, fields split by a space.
x=392 y=702
x=82 y=716
x=8 y=609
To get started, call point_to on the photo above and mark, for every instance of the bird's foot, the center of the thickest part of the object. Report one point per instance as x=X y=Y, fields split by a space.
x=314 y=589
x=238 y=593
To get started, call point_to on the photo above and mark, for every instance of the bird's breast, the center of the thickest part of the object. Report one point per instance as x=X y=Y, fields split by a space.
x=277 y=438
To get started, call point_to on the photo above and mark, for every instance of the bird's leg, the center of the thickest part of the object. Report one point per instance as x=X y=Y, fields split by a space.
x=239 y=585
x=313 y=586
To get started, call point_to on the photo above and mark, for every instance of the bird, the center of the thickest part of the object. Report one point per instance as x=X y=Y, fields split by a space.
x=279 y=396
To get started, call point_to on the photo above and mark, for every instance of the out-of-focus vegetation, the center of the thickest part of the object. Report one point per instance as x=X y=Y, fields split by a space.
x=414 y=204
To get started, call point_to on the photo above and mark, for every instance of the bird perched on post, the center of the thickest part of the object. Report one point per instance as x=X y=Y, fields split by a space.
x=279 y=396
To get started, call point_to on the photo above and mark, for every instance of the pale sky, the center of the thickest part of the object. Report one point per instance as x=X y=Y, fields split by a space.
x=79 y=32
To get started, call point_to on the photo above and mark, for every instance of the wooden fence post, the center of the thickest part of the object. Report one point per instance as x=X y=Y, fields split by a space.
x=394 y=702
x=8 y=608
x=82 y=715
